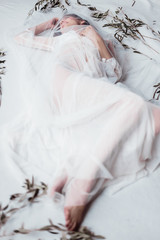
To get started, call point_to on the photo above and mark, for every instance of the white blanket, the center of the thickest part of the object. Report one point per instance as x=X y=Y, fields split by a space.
x=126 y=214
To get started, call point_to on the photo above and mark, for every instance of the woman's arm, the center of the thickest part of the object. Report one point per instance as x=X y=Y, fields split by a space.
x=103 y=51
x=44 y=26
x=28 y=38
x=110 y=65
x=91 y=33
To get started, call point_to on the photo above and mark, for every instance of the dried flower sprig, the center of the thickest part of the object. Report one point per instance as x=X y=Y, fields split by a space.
x=2 y=69
x=34 y=191
x=46 y=5
x=83 y=234
x=126 y=27
x=156 y=94
x=98 y=15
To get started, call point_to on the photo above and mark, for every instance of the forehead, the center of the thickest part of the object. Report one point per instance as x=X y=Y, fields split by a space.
x=69 y=17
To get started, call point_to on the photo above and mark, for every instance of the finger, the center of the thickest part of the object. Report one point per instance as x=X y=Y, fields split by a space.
x=55 y=20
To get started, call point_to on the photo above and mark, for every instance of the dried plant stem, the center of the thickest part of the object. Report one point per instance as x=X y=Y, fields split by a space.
x=129 y=28
x=150 y=47
x=134 y=1
x=151 y=38
x=22 y=200
x=157 y=91
x=34 y=192
x=2 y=70
x=46 y=5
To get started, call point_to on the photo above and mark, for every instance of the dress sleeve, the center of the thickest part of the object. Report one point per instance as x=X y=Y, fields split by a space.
x=28 y=39
x=112 y=69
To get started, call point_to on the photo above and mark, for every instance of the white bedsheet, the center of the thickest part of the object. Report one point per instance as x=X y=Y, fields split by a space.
x=133 y=213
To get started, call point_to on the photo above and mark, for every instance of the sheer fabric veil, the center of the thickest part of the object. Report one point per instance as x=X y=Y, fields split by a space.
x=77 y=127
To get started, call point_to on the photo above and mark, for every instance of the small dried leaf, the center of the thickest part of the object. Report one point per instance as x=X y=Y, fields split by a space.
x=133 y=3
x=2 y=61
x=156 y=85
x=82 y=4
x=5 y=208
x=53 y=232
x=66 y=1
x=14 y=196
x=92 y=8
x=12 y=210
x=62 y=225
x=48 y=227
x=3 y=219
x=137 y=52
x=50 y=221
x=22 y=231
x=36 y=193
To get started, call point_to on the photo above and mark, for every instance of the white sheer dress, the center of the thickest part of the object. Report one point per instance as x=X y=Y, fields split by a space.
x=78 y=123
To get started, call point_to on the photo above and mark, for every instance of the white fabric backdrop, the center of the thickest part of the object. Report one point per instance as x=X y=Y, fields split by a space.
x=132 y=213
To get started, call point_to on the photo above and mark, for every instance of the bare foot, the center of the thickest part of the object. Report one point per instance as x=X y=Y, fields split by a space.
x=74 y=216
x=78 y=195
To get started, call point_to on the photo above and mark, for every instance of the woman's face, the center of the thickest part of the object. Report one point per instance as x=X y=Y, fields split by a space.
x=68 y=21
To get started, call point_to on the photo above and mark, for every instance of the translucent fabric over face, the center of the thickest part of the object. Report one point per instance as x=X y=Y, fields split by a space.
x=84 y=130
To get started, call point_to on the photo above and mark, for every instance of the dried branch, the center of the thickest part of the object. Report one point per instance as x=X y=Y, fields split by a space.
x=34 y=191
x=83 y=234
x=47 y=5
x=2 y=69
x=126 y=28
x=156 y=94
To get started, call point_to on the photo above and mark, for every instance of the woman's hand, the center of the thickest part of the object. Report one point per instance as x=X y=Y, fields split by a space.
x=91 y=33
x=97 y=40
x=51 y=23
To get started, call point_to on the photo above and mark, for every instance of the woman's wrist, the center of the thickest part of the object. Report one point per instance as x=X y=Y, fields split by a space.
x=40 y=28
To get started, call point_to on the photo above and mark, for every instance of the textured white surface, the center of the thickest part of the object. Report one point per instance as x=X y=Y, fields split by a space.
x=133 y=213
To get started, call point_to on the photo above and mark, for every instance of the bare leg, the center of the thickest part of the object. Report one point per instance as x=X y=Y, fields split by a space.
x=59 y=183
x=156 y=116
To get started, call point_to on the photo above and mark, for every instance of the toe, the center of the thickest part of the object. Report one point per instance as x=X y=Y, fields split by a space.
x=70 y=225
x=73 y=227
x=67 y=223
x=67 y=214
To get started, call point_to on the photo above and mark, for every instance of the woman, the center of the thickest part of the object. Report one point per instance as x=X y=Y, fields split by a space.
x=104 y=133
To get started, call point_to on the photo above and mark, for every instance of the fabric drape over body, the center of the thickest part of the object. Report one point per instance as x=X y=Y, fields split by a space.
x=77 y=122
